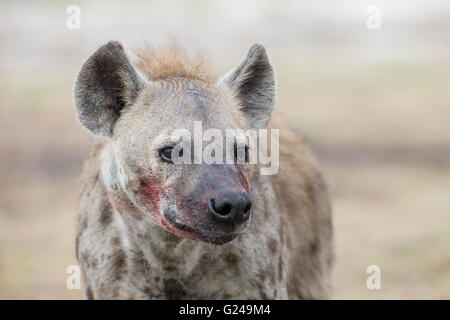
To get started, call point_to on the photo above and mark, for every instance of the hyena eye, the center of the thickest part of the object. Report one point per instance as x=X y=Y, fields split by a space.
x=236 y=154
x=166 y=154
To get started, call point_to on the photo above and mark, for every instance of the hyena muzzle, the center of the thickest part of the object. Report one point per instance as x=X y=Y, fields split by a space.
x=150 y=228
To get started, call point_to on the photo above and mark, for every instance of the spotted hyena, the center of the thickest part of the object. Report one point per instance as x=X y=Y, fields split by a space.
x=152 y=229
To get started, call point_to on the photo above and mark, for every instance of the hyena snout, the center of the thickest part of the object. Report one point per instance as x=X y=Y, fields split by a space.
x=230 y=206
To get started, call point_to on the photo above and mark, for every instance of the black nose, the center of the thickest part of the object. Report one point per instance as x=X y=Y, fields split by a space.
x=230 y=206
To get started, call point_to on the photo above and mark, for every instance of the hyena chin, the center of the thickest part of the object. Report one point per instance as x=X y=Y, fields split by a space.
x=152 y=229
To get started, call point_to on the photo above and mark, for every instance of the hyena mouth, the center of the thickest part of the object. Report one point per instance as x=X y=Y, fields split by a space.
x=186 y=231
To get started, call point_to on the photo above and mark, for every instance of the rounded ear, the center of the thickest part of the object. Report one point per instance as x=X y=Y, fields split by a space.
x=106 y=84
x=253 y=83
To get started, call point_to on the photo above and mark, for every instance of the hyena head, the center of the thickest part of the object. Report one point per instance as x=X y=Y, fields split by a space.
x=138 y=114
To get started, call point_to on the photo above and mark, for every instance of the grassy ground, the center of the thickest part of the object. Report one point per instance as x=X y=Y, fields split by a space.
x=381 y=132
x=382 y=136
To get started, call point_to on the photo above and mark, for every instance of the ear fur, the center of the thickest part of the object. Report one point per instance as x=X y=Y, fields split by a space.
x=253 y=83
x=106 y=83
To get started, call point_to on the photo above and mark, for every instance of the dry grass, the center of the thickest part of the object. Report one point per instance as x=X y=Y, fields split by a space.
x=382 y=136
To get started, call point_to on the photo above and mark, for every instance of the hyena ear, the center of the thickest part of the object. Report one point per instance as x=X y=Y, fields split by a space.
x=253 y=83
x=107 y=83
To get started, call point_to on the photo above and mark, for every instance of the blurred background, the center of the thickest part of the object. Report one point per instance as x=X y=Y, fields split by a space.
x=374 y=103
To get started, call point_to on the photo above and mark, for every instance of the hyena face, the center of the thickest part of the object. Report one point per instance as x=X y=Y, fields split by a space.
x=205 y=201
x=139 y=118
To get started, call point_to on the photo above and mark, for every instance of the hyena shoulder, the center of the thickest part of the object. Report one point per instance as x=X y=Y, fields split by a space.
x=303 y=197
